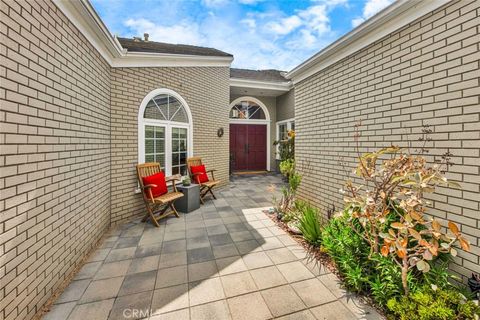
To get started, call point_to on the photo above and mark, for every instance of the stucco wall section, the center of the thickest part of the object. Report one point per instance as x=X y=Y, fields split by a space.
x=54 y=152
x=206 y=91
x=286 y=105
x=426 y=73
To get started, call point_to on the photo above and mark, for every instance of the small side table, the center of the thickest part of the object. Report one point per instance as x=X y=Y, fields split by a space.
x=190 y=200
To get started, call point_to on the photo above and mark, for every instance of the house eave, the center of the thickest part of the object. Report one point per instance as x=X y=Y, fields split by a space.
x=82 y=14
x=395 y=16
x=264 y=85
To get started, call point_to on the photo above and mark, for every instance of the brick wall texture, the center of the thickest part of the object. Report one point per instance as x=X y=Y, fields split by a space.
x=206 y=91
x=425 y=73
x=54 y=152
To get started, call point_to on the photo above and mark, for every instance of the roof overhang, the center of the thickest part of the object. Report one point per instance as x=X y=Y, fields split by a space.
x=390 y=19
x=82 y=14
x=255 y=84
x=259 y=88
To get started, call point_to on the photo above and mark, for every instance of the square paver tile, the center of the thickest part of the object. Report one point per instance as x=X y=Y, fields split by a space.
x=217 y=310
x=174 y=235
x=88 y=270
x=199 y=255
x=248 y=246
x=172 y=259
x=204 y=291
x=126 y=242
x=257 y=308
x=95 y=310
x=241 y=236
x=133 y=306
x=148 y=250
x=174 y=315
x=286 y=240
x=120 y=254
x=301 y=315
x=198 y=242
x=59 y=311
x=99 y=255
x=313 y=292
x=138 y=282
x=282 y=300
x=144 y=264
x=74 y=291
x=113 y=269
x=267 y=277
x=202 y=270
x=217 y=229
x=256 y=260
x=170 y=299
x=102 y=289
x=238 y=283
x=226 y=250
x=220 y=239
x=332 y=311
x=271 y=243
x=294 y=271
x=230 y=265
x=281 y=255
x=199 y=232
x=174 y=246
x=171 y=276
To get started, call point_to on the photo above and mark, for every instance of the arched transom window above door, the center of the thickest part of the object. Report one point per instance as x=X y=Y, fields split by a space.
x=248 y=110
x=165 y=131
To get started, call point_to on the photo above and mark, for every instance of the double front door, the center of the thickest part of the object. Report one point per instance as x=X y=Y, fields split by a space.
x=248 y=146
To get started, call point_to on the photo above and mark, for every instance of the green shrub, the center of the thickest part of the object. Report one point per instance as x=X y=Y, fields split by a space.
x=310 y=225
x=287 y=166
x=428 y=304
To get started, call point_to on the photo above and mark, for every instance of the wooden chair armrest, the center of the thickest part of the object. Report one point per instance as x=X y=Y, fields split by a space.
x=196 y=174
x=173 y=179
x=149 y=186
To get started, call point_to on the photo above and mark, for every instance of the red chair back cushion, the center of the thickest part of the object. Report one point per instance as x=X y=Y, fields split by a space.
x=202 y=177
x=157 y=179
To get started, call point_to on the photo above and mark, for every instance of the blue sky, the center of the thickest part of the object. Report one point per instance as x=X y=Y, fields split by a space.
x=261 y=34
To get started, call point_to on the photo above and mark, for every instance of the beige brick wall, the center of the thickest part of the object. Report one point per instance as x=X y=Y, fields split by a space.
x=54 y=152
x=426 y=73
x=206 y=91
x=286 y=105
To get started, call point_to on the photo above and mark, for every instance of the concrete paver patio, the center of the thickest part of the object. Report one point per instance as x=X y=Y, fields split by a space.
x=227 y=260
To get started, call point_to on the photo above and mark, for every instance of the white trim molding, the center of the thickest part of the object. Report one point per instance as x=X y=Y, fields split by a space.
x=266 y=122
x=265 y=85
x=288 y=122
x=390 y=19
x=142 y=122
x=82 y=14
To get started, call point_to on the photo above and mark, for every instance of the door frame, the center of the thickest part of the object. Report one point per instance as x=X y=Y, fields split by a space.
x=266 y=122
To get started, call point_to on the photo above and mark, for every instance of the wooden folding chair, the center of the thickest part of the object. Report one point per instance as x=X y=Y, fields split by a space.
x=157 y=205
x=205 y=187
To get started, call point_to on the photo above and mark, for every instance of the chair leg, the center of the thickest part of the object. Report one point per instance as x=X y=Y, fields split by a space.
x=210 y=190
x=152 y=217
x=174 y=210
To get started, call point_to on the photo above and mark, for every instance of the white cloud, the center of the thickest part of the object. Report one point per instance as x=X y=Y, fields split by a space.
x=260 y=40
x=285 y=25
x=370 y=9
x=214 y=3
x=181 y=33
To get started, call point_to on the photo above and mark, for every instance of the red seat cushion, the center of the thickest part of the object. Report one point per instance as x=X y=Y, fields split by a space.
x=157 y=179
x=202 y=177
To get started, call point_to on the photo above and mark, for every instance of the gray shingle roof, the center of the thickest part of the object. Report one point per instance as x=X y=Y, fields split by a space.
x=161 y=47
x=259 y=75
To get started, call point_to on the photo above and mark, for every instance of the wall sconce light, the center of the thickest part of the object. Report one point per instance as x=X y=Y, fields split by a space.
x=220 y=132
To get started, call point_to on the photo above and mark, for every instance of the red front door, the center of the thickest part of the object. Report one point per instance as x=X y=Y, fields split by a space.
x=248 y=146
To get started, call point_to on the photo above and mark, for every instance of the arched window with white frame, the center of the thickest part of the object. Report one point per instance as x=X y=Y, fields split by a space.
x=165 y=131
